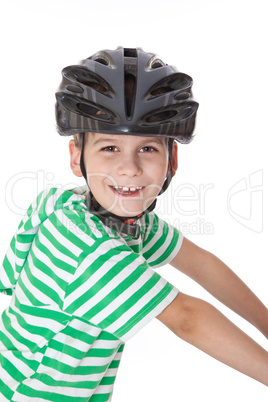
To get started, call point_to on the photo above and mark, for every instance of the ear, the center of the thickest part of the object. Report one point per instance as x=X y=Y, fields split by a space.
x=75 y=153
x=174 y=160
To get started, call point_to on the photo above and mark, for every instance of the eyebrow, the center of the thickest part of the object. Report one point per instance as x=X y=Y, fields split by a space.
x=110 y=139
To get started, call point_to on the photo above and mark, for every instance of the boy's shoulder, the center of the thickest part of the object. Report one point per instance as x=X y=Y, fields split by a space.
x=63 y=211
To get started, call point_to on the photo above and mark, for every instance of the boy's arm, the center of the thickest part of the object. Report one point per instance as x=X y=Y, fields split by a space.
x=219 y=280
x=203 y=326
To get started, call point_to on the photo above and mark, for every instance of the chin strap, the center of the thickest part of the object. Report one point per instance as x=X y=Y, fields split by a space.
x=124 y=225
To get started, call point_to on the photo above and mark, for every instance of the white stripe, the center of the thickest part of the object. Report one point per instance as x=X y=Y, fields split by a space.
x=75 y=229
x=84 y=346
x=22 y=398
x=57 y=253
x=24 y=247
x=60 y=272
x=43 y=277
x=42 y=297
x=154 y=313
x=156 y=237
x=67 y=391
x=149 y=216
x=7 y=379
x=109 y=287
x=145 y=277
x=173 y=254
x=87 y=262
x=160 y=251
x=3 y=398
x=33 y=206
x=60 y=238
x=74 y=362
x=85 y=327
x=4 y=278
x=20 y=366
x=54 y=326
x=37 y=339
x=58 y=376
x=17 y=345
x=11 y=257
x=137 y=306
x=93 y=225
x=104 y=389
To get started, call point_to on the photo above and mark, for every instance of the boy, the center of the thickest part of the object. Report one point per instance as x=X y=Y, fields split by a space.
x=80 y=266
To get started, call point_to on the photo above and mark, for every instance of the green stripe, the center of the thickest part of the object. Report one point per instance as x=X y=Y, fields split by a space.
x=32 y=299
x=47 y=290
x=100 y=397
x=5 y=390
x=42 y=312
x=15 y=334
x=144 y=311
x=63 y=199
x=56 y=261
x=48 y=271
x=113 y=272
x=53 y=240
x=156 y=246
x=67 y=369
x=49 y=396
x=9 y=270
x=152 y=233
x=91 y=269
x=51 y=382
x=33 y=329
x=117 y=291
x=75 y=333
x=11 y=369
x=131 y=301
x=68 y=233
x=78 y=218
x=42 y=214
x=79 y=354
x=172 y=244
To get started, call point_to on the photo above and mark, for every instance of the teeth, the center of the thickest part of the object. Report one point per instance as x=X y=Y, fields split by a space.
x=127 y=188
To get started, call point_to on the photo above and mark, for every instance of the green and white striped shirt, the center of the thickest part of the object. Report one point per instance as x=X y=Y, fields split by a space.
x=79 y=291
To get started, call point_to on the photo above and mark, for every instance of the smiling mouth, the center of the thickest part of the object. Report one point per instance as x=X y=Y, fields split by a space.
x=123 y=190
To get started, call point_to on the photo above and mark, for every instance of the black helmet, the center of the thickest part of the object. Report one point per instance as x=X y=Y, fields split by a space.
x=93 y=96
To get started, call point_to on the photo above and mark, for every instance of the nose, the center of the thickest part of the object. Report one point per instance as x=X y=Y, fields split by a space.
x=129 y=165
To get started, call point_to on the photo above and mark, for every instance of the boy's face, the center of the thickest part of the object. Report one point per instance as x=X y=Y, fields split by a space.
x=125 y=173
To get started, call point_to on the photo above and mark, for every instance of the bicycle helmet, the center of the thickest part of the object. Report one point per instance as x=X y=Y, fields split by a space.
x=157 y=100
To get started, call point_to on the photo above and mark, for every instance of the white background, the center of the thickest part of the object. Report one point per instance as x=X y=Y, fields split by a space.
x=222 y=44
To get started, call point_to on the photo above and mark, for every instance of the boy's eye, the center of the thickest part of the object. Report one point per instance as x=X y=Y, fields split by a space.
x=148 y=149
x=110 y=148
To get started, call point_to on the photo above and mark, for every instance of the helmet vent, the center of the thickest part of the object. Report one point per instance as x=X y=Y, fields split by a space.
x=102 y=60
x=93 y=112
x=90 y=80
x=176 y=82
x=130 y=52
x=130 y=90
x=74 y=88
x=157 y=64
x=161 y=116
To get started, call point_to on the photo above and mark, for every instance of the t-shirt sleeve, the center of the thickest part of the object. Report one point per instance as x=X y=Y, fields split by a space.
x=116 y=290
x=161 y=242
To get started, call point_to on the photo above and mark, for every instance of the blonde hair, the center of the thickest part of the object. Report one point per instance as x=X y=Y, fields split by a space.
x=77 y=140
